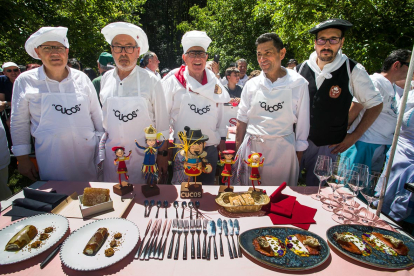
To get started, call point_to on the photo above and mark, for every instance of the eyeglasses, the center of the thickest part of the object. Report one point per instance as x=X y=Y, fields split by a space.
x=12 y=70
x=196 y=54
x=332 y=40
x=405 y=63
x=50 y=48
x=127 y=49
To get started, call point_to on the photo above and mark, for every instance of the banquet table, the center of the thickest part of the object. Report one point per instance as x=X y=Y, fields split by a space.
x=337 y=264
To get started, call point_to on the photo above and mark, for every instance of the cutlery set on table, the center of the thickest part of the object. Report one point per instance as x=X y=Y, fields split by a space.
x=153 y=244
x=150 y=204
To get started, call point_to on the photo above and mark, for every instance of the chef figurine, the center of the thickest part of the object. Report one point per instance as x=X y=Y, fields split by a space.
x=193 y=143
x=149 y=166
x=121 y=158
x=254 y=162
x=227 y=161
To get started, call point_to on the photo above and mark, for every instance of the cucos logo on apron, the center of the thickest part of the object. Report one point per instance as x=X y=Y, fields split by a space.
x=270 y=108
x=125 y=118
x=67 y=111
x=199 y=111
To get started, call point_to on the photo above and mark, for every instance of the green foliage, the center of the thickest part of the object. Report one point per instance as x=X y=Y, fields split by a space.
x=83 y=18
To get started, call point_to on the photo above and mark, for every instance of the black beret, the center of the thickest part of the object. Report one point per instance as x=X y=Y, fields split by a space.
x=337 y=23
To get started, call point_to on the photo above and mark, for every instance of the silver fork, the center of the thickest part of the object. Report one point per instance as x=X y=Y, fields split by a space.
x=205 y=222
x=177 y=246
x=198 y=229
x=186 y=229
x=192 y=231
x=174 y=230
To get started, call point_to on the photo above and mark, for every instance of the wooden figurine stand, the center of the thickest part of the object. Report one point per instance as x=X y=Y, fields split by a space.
x=123 y=189
x=149 y=191
x=257 y=190
x=194 y=190
x=225 y=189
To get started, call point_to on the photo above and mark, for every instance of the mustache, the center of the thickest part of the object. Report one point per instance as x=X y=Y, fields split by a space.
x=327 y=50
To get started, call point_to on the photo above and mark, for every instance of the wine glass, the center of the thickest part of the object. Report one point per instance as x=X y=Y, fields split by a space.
x=363 y=172
x=344 y=161
x=335 y=181
x=369 y=193
x=322 y=170
x=352 y=179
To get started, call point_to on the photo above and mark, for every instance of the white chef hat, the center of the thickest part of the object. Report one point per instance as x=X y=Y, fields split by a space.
x=195 y=38
x=117 y=28
x=46 y=34
x=9 y=64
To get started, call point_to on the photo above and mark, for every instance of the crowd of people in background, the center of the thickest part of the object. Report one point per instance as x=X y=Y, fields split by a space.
x=326 y=105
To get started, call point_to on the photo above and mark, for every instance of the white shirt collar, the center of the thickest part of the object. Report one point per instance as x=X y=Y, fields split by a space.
x=43 y=76
x=116 y=76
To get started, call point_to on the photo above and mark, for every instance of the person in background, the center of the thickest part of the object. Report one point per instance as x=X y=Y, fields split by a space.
x=165 y=72
x=59 y=107
x=75 y=64
x=292 y=63
x=90 y=73
x=31 y=66
x=11 y=72
x=1 y=72
x=253 y=74
x=235 y=90
x=151 y=62
x=105 y=63
x=4 y=163
x=371 y=147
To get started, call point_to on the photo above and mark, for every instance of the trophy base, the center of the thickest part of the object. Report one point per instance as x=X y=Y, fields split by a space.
x=194 y=190
x=149 y=191
x=225 y=189
x=123 y=189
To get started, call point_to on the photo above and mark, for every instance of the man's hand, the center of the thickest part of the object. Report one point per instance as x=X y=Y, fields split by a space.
x=240 y=132
x=2 y=106
x=215 y=67
x=299 y=154
x=349 y=140
x=222 y=145
x=27 y=168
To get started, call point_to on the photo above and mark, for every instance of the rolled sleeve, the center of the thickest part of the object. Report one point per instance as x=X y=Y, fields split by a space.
x=244 y=105
x=364 y=90
x=303 y=123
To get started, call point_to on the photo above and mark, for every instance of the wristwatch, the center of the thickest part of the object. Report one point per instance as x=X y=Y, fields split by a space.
x=163 y=152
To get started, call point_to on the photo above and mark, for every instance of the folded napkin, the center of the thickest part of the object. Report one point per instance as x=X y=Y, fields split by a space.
x=284 y=209
x=35 y=202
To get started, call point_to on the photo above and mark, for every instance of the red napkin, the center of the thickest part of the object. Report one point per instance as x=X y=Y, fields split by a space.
x=284 y=209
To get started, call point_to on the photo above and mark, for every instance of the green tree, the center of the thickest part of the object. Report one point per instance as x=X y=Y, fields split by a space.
x=83 y=18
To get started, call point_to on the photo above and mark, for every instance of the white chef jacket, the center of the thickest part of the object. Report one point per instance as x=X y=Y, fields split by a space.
x=174 y=92
x=382 y=130
x=27 y=103
x=360 y=84
x=300 y=104
x=4 y=149
x=150 y=88
x=155 y=73
x=241 y=82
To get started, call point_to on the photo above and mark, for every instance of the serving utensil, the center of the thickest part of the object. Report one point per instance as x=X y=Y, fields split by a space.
x=146 y=203
x=144 y=251
x=198 y=230
x=174 y=230
x=226 y=233
x=236 y=231
x=157 y=248
x=143 y=239
x=162 y=250
x=165 y=206
x=51 y=255
x=231 y=234
x=190 y=204
x=192 y=231
x=152 y=203
x=197 y=205
x=219 y=230
x=184 y=205
x=205 y=222
x=186 y=229
x=176 y=208
x=158 y=208
x=177 y=246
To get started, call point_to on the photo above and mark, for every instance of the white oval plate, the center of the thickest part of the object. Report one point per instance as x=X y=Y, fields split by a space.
x=71 y=253
x=60 y=223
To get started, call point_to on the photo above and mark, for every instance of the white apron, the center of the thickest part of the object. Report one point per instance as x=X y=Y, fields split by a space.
x=65 y=140
x=127 y=118
x=272 y=110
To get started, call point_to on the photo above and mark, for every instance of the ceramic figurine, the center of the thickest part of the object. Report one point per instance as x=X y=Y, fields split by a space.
x=254 y=162
x=227 y=162
x=149 y=166
x=120 y=159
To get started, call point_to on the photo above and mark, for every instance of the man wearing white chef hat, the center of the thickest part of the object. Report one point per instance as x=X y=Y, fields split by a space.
x=195 y=98
x=270 y=106
x=132 y=99
x=59 y=107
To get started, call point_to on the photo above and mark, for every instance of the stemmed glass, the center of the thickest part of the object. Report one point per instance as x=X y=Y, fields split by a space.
x=322 y=170
x=344 y=161
x=369 y=193
x=363 y=172
x=335 y=181
x=352 y=179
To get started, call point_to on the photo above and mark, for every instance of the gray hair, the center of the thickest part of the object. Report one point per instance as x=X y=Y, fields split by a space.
x=241 y=60
x=147 y=57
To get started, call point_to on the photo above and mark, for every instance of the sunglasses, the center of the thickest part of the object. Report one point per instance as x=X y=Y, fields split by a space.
x=12 y=70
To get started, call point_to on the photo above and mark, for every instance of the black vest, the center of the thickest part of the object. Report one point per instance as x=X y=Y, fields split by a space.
x=328 y=111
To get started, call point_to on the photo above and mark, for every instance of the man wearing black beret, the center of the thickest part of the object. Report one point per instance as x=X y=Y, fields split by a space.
x=334 y=80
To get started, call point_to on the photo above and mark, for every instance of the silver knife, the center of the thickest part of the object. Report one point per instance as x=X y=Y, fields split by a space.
x=219 y=229
x=231 y=234
x=213 y=233
x=210 y=234
x=237 y=231
x=226 y=233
